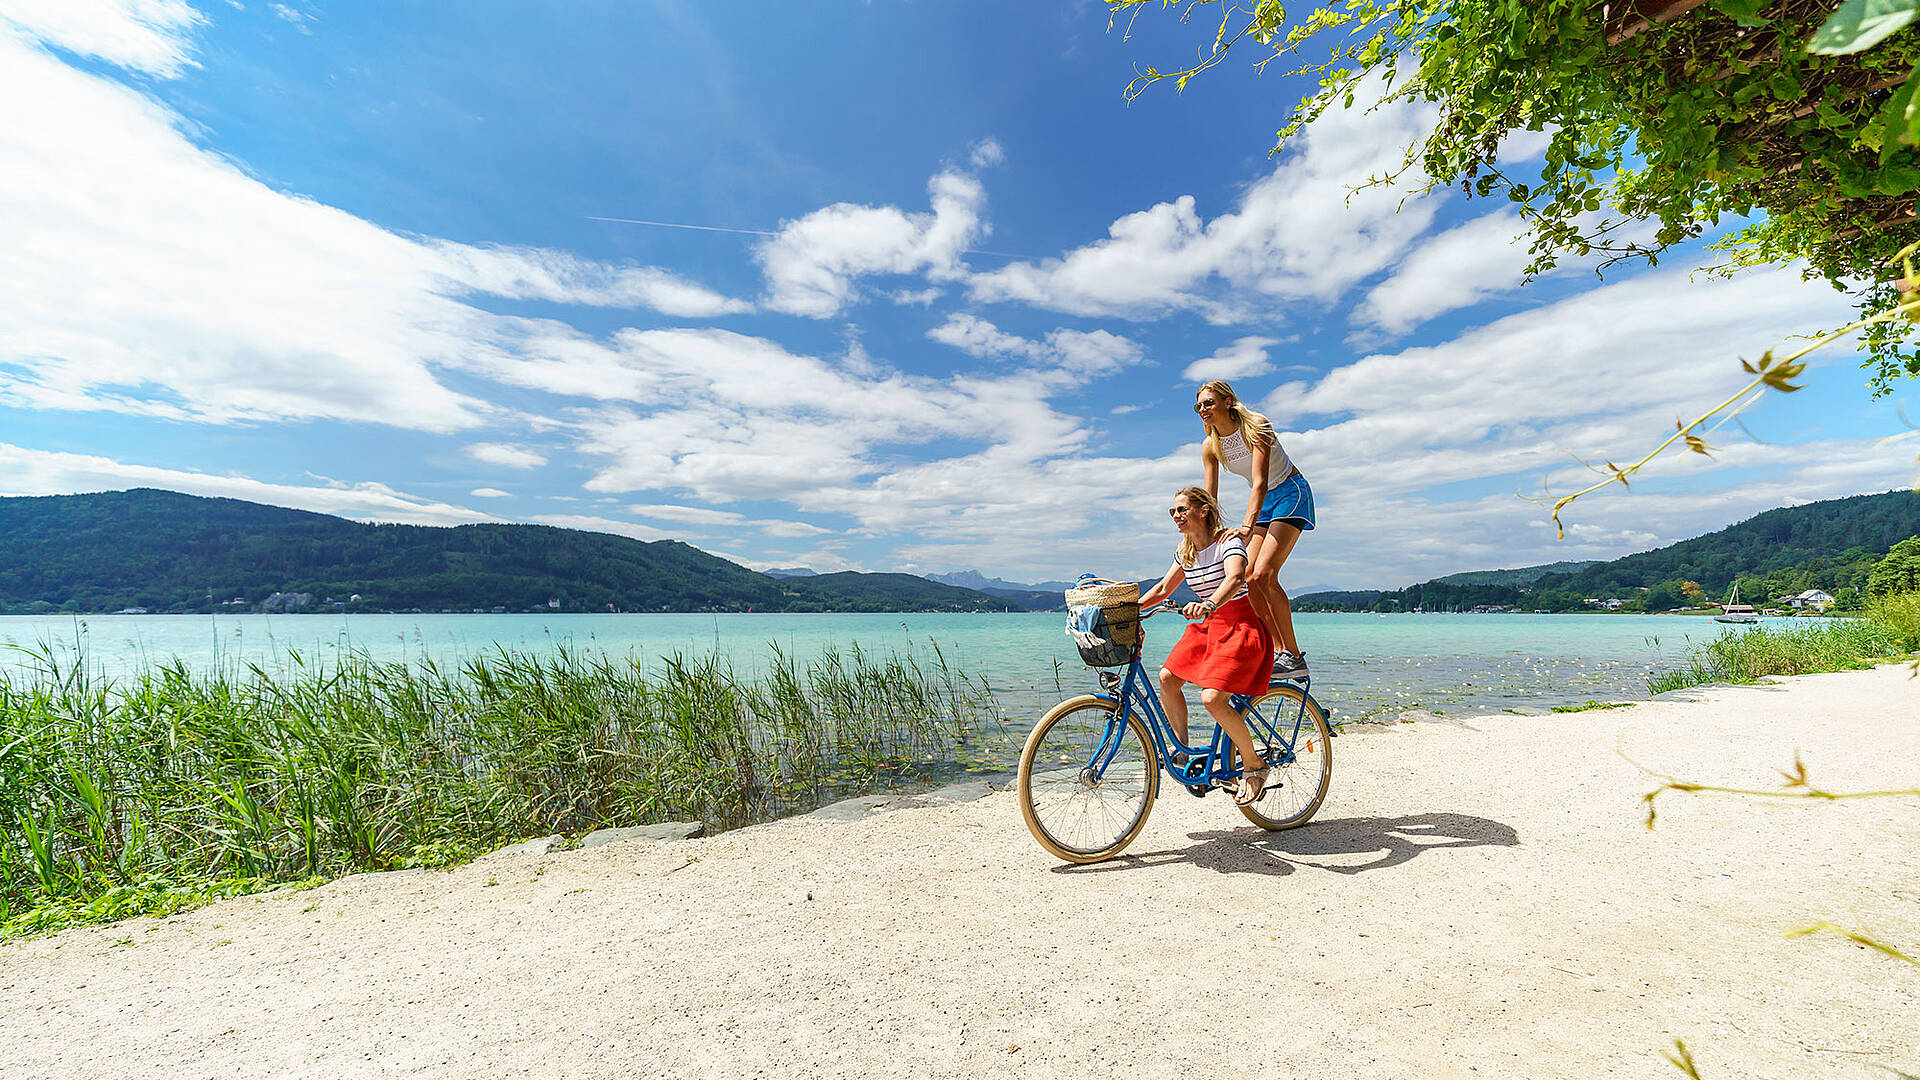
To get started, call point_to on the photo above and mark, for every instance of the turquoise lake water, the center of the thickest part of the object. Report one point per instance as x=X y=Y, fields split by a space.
x=1363 y=665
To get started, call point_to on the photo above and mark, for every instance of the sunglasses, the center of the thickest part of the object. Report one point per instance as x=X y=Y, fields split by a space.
x=1204 y=404
x=1180 y=511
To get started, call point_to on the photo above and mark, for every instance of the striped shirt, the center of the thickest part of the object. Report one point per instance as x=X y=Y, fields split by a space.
x=1209 y=569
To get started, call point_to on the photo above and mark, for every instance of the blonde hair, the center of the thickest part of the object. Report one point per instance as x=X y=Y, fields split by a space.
x=1198 y=497
x=1255 y=430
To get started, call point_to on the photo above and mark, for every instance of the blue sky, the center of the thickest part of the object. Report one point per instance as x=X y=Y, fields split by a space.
x=353 y=258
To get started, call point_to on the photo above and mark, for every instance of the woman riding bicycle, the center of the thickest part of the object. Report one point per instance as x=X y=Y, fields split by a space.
x=1279 y=507
x=1229 y=651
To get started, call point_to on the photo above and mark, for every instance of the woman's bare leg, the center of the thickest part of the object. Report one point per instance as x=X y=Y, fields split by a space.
x=1257 y=596
x=1265 y=554
x=1235 y=725
x=1173 y=699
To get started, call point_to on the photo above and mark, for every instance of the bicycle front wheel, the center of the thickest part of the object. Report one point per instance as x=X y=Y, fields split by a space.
x=1299 y=758
x=1087 y=779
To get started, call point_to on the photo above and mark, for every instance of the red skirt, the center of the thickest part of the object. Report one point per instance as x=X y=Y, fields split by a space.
x=1230 y=650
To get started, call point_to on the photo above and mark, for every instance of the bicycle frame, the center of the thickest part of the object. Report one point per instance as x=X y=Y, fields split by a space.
x=1137 y=691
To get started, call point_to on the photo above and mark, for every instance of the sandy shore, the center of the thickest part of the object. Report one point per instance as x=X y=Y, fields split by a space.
x=1477 y=898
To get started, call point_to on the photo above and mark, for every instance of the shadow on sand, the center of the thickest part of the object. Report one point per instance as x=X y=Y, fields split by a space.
x=1322 y=845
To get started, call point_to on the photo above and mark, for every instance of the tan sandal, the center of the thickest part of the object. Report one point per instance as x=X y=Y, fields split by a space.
x=1253 y=784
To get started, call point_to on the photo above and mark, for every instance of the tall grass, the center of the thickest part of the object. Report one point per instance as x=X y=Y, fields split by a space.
x=116 y=797
x=1890 y=627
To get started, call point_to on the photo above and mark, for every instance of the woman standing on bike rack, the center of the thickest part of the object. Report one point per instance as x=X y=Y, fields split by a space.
x=1279 y=507
x=1229 y=651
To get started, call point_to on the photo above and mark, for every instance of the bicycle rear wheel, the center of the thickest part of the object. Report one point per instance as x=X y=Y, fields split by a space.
x=1300 y=761
x=1087 y=780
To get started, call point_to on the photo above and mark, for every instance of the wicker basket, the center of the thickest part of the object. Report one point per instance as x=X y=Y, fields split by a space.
x=1103 y=618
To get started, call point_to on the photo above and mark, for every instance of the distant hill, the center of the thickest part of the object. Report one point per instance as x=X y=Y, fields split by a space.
x=1828 y=545
x=164 y=551
x=1525 y=575
x=974 y=579
x=792 y=571
x=1775 y=540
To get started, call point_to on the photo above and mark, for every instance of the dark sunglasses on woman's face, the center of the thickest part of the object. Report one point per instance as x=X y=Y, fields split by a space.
x=1177 y=511
x=1204 y=404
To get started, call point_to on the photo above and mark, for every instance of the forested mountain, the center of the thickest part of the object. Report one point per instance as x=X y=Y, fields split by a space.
x=1826 y=545
x=1524 y=575
x=164 y=551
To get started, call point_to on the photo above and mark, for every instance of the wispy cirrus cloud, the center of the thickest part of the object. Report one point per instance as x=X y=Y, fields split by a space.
x=507 y=456
x=147 y=275
x=154 y=37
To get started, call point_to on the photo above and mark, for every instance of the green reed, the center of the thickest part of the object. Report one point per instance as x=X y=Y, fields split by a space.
x=123 y=797
x=1889 y=628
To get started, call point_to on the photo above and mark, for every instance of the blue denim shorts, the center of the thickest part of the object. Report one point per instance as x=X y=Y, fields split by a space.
x=1290 y=501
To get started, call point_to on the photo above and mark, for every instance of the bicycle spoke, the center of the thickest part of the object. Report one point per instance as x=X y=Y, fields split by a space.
x=1087 y=780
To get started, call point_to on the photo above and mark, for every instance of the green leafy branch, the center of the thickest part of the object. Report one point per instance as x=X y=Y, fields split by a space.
x=1796 y=120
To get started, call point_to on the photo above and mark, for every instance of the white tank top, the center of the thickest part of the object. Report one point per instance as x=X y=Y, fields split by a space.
x=1239 y=460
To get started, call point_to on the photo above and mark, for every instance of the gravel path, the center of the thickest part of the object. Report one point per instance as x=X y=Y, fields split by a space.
x=1474 y=900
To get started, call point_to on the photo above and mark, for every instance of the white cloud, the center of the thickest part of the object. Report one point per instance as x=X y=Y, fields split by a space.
x=149 y=36
x=1578 y=374
x=1460 y=267
x=986 y=153
x=734 y=418
x=1502 y=407
x=1065 y=355
x=490 y=493
x=693 y=515
x=511 y=457
x=591 y=523
x=25 y=471
x=978 y=337
x=1301 y=232
x=811 y=266
x=1244 y=358
x=1522 y=145
x=143 y=274
x=520 y=273
x=723 y=522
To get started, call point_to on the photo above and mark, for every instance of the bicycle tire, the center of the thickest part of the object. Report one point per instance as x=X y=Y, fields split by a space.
x=1073 y=816
x=1296 y=789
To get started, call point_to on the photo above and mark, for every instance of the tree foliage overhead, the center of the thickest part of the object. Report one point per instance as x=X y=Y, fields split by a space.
x=1666 y=118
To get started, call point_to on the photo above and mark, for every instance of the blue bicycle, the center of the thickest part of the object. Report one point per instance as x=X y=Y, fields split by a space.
x=1091 y=768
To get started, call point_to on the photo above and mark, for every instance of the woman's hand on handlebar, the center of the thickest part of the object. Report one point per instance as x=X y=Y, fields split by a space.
x=1197 y=610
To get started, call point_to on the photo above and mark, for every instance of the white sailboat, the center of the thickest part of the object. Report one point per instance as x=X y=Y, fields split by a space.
x=1734 y=611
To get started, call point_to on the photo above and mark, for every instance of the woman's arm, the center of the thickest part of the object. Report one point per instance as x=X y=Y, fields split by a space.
x=1175 y=575
x=1259 y=493
x=1210 y=468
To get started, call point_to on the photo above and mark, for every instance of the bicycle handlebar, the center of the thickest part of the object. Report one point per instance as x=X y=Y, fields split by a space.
x=1164 y=605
